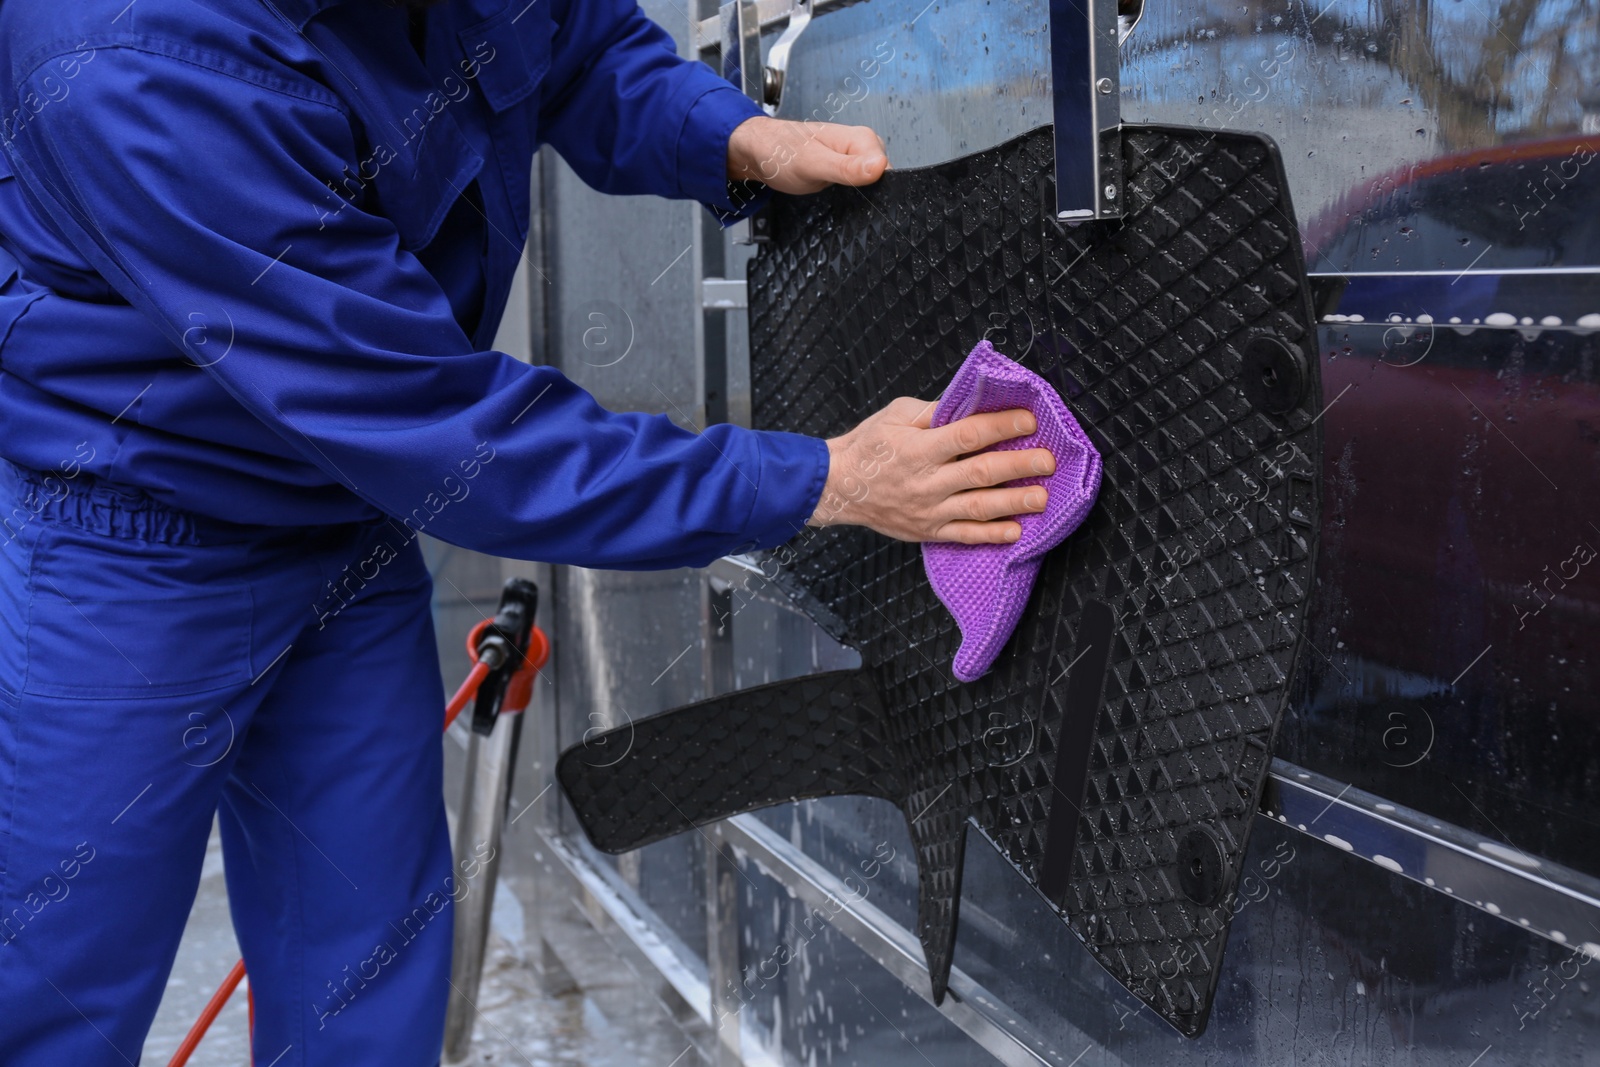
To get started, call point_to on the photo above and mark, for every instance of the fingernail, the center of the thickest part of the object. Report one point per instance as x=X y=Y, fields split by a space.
x=1034 y=501
x=1023 y=423
x=1013 y=533
x=1044 y=464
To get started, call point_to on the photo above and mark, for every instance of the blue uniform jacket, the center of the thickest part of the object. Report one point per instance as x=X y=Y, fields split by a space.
x=253 y=253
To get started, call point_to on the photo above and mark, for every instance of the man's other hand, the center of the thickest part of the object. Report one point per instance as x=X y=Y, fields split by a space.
x=894 y=474
x=803 y=157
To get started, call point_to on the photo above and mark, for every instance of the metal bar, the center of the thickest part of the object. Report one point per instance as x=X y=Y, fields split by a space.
x=722 y=946
x=737 y=32
x=1085 y=87
x=978 y=1013
x=1481 y=272
x=722 y=872
x=483 y=813
x=1534 y=894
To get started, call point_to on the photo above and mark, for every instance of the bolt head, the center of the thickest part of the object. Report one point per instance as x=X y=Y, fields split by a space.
x=1104 y=85
x=1111 y=192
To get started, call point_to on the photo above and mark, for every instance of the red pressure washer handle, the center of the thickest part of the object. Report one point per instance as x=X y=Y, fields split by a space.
x=518 y=691
x=503 y=644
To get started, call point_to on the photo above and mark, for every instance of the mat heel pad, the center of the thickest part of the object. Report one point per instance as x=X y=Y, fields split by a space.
x=817 y=736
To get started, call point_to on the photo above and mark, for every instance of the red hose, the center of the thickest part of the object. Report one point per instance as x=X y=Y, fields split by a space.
x=464 y=695
x=213 y=1008
x=518 y=692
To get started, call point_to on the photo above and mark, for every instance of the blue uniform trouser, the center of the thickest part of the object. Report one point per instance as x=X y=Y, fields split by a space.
x=157 y=669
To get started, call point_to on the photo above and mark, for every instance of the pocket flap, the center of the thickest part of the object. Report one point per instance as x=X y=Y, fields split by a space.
x=511 y=52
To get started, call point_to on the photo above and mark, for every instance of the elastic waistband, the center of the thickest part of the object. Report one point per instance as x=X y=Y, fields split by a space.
x=100 y=507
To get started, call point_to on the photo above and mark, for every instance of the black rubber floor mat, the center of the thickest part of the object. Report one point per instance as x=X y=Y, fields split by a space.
x=1117 y=751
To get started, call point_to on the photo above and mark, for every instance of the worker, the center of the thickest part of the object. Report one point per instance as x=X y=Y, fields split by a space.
x=252 y=257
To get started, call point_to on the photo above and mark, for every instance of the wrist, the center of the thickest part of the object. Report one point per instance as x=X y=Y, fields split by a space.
x=832 y=503
x=742 y=166
x=757 y=149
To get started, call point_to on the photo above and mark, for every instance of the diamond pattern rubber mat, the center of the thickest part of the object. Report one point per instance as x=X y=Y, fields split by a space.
x=1116 y=752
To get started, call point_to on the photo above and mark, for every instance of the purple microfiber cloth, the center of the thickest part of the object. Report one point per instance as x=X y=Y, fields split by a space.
x=986 y=586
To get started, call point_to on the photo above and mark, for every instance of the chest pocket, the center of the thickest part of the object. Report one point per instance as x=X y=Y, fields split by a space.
x=414 y=161
x=509 y=53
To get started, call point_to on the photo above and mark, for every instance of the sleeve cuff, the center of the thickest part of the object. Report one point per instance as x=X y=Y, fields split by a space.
x=794 y=469
x=703 y=155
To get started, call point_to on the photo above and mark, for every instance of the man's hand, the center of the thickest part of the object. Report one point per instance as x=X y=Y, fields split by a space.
x=894 y=474
x=803 y=157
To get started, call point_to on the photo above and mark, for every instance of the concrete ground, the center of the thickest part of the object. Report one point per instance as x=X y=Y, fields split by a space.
x=518 y=1023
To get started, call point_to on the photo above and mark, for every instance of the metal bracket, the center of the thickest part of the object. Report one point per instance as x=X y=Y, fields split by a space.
x=1086 y=88
x=778 y=59
x=723 y=294
x=772 y=14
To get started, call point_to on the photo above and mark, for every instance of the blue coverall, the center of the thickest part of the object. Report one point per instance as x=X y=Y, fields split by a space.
x=252 y=254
